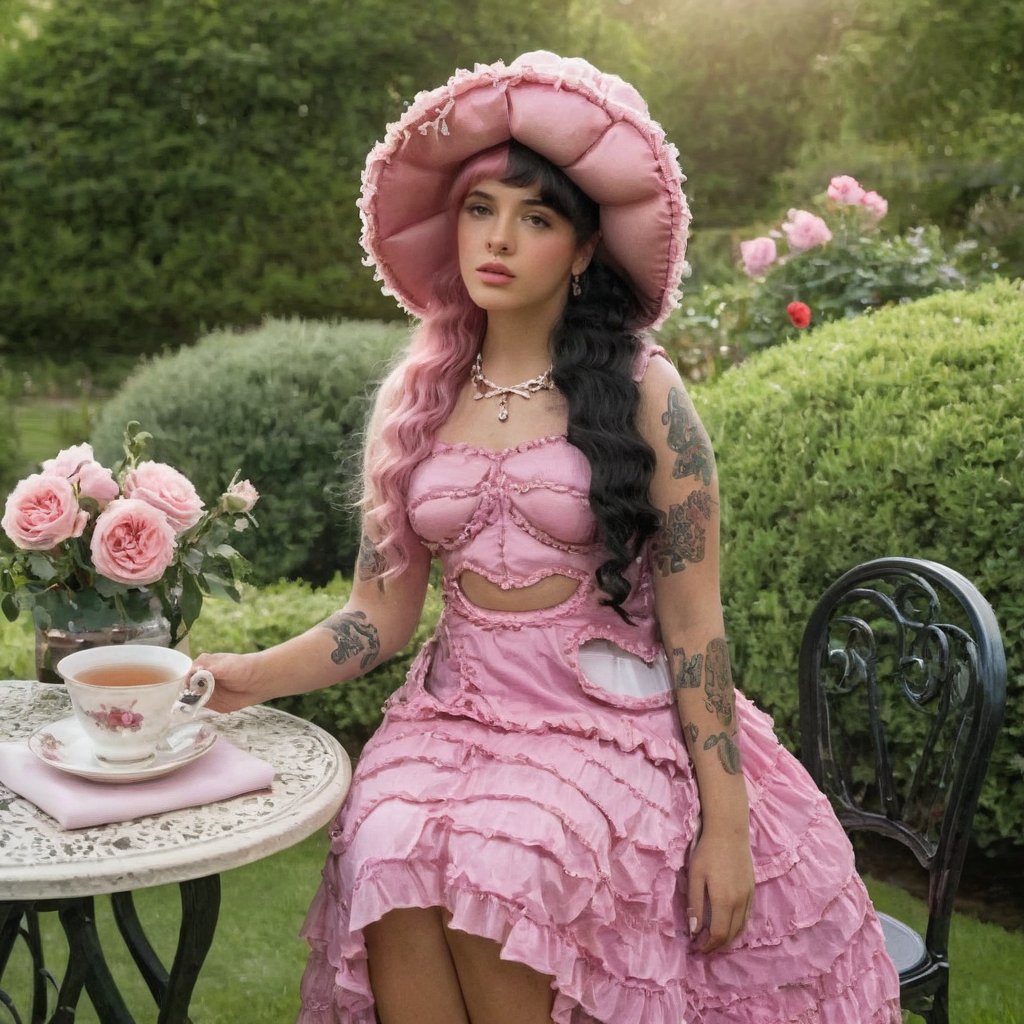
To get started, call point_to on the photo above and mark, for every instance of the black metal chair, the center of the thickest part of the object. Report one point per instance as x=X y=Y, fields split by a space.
x=902 y=688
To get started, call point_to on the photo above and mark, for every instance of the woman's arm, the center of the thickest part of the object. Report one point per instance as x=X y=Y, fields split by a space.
x=375 y=623
x=685 y=557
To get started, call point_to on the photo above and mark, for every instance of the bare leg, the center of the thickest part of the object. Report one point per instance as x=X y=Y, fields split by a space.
x=411 y=970
x=498 y=991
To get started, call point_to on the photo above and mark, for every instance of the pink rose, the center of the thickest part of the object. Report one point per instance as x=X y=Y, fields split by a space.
x=42 y=512
x=133 y=542
x=846 y=190
x=805 y=230
x=758 y=255
x=165 y=488
x=875 y=205
x=79 y=466
x=240 y=497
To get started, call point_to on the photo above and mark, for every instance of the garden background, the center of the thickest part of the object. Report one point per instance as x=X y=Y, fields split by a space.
x=178 y=245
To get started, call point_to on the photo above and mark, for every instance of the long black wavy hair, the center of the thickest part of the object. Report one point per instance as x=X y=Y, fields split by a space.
x=595 y=346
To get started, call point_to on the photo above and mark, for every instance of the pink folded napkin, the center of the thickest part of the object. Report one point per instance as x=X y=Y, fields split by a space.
x=223 y=772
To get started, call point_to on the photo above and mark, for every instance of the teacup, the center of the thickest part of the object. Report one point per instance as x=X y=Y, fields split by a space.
x=128 y=698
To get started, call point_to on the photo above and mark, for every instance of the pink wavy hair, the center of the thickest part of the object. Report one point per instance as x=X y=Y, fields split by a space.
x=418 y=395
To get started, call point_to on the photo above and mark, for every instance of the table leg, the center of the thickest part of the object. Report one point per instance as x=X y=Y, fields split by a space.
x=86 y=964
x=22 y=921
x=200 y=905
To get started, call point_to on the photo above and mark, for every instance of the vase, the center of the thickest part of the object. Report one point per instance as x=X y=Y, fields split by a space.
x=54 y=644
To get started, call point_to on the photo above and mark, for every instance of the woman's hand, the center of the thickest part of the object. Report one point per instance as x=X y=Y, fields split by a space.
x=721 y=888
x=237 y=684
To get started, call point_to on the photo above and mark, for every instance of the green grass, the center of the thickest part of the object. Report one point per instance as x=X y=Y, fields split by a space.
x=253 y=970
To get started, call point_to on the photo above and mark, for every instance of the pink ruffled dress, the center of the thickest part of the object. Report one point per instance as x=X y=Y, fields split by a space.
x=531 y=777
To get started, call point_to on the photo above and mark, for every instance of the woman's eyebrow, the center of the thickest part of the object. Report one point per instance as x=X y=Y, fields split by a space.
x=479 y=193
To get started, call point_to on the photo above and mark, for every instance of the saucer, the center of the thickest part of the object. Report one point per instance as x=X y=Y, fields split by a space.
x=64 y=746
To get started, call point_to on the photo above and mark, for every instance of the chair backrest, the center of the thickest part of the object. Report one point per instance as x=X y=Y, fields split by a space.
x=902 y=689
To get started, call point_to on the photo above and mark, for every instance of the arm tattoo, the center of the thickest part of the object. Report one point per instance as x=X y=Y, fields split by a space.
x=686 y=437
x=691 y=733
x=681 y=536
x=718 y=686
x=728 y=752
x=687 y=675
x=371 y=563
x=353 y=636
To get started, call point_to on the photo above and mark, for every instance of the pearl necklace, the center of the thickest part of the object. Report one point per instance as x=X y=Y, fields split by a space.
x=488 y=389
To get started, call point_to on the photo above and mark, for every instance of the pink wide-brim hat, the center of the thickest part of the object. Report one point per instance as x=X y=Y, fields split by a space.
x=594 y=126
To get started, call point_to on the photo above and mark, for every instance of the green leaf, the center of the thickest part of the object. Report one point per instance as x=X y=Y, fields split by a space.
x=191 y=600
x=42 y=568
x=9 y=607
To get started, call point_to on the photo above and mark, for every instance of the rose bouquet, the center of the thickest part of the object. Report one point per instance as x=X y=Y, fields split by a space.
x=85 y=547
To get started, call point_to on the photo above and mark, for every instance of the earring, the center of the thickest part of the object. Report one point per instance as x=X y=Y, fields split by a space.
x=577 y=288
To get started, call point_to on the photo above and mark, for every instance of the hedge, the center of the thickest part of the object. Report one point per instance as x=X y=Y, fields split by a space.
x=11 y=461
x=171 y=166
x=286 y=405
x=899 y=433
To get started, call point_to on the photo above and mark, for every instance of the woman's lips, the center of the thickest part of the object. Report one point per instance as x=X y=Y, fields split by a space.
x=495 y=273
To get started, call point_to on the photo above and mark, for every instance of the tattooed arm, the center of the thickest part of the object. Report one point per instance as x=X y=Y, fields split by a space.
x=685 y=558
x=376 y=622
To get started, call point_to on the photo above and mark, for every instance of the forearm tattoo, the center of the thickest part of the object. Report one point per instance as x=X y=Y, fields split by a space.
x=682 y=535
x=687 y=438
x=718 y=685
x=719 y=695
x=371 y=564
x=354 y=636
x=687 y=675
x=728 y=752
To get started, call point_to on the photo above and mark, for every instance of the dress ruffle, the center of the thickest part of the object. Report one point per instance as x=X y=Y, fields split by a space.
x=566 y=846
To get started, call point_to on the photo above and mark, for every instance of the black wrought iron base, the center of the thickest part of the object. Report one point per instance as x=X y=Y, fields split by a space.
x=87 y=966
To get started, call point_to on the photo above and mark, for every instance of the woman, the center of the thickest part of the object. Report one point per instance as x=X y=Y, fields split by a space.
x=567 y=814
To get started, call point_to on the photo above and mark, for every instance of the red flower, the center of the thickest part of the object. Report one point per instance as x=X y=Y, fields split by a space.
x=799 y=314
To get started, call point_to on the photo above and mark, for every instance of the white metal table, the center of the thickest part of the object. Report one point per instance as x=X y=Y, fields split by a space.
x=43 y=867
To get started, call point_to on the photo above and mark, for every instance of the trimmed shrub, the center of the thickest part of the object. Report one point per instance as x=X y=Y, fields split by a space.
x=11 y=462
x=351 y=711
x=285 y=404
x=899 y=433
x=173 y=166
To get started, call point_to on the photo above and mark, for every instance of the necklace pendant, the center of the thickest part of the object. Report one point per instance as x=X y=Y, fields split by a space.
x=503 y=408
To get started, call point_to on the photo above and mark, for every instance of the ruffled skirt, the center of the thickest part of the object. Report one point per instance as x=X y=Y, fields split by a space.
x=566 y=839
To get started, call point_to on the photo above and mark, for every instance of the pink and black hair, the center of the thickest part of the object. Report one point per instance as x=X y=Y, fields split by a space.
x=595 y=347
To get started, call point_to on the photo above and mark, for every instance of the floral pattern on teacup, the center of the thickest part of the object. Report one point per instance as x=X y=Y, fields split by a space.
x=117 y=719
x=49 y=747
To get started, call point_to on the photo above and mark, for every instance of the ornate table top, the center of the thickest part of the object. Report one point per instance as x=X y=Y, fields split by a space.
x=40 y=860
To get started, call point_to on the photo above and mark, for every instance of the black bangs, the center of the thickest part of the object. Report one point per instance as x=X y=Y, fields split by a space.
x=558 y=191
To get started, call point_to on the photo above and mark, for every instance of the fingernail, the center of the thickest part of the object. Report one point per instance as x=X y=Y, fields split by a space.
x=693 y=925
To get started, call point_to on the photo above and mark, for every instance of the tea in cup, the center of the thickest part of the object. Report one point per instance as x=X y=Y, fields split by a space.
x=128 y=698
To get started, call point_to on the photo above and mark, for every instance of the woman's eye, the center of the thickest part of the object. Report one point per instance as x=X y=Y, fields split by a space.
x=537 y=221
x=477 y=210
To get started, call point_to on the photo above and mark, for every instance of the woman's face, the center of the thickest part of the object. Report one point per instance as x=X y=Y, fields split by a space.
x=515 y=253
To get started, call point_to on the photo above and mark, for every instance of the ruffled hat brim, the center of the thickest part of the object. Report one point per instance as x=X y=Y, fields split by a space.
x=593 y=126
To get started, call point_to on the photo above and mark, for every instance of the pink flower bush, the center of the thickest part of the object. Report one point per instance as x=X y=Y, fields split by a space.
x=42 y=512
x=875 y=205
x=133 y=543
x=805 y=230
x=165 y=489
x=758 y=255
x=241 y=496
x=845 y=190
x=80 y=467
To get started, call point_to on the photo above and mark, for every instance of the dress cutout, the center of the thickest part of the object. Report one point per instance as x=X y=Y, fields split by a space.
x=554 y=813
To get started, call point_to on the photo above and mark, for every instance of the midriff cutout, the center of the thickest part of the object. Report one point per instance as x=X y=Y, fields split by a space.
x=546 y=593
